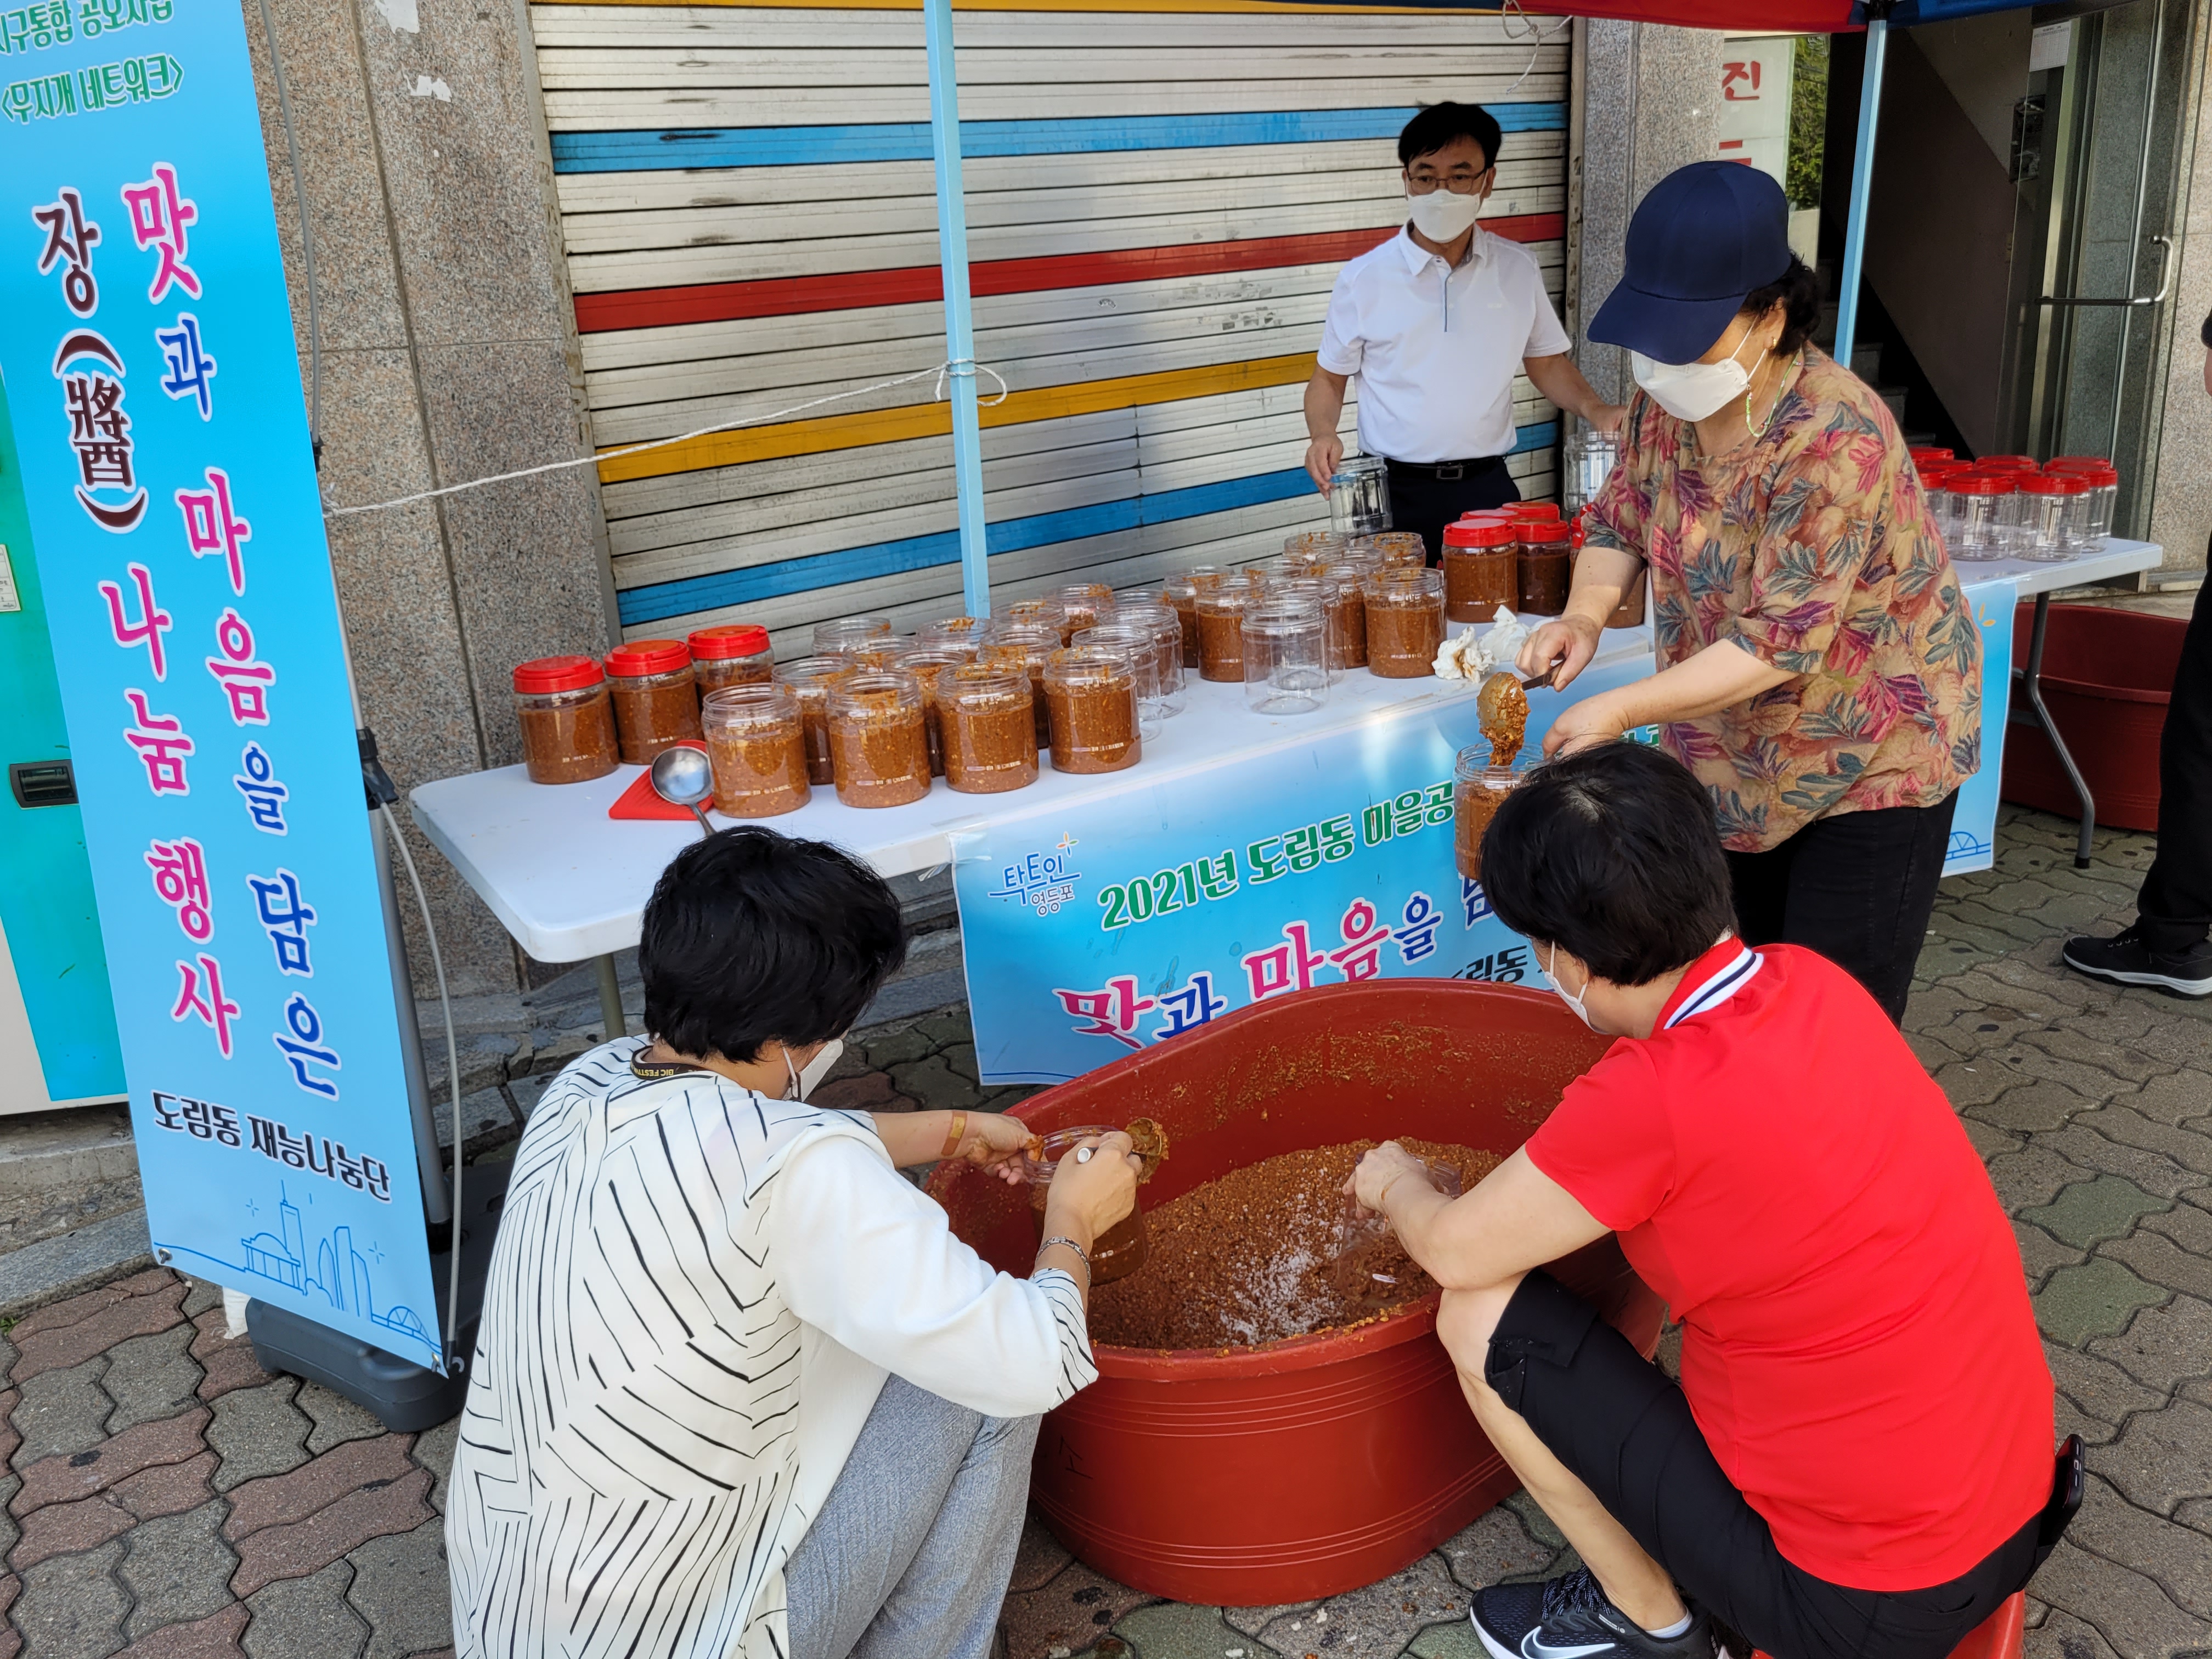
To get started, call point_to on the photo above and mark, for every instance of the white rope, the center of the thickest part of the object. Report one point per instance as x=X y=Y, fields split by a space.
x=966 y=365
x=1533 y=32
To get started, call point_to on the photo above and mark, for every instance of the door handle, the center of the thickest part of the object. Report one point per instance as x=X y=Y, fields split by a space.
x=2165 y=284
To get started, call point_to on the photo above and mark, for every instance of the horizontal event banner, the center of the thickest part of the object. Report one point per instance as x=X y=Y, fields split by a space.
x=1094 y=931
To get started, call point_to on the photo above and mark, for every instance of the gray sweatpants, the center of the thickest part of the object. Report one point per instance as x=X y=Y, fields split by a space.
x=915 y=1544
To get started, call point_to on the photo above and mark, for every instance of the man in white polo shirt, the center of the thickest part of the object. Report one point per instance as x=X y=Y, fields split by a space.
x=1434 y=322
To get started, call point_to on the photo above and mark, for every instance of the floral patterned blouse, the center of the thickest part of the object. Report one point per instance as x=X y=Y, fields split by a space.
x=1812 y=549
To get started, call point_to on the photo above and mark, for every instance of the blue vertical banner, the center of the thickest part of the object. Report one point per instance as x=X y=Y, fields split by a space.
x=1095 y=930
x=152 y=378
x=1974 y=820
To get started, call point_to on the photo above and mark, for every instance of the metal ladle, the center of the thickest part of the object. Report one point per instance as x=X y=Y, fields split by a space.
x=681 y=777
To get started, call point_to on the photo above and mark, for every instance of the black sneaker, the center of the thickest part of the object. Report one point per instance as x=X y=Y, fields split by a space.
x=2124 y=959
x=1570 y=1618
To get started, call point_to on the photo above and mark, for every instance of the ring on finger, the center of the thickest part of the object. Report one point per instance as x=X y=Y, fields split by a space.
x=1083 y=1154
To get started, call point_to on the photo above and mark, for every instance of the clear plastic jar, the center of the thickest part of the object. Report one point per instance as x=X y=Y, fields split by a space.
x=1181 y=591
x=878 y=742
x=1160 y=620
x=656 y=698
x=1221 y=628
x=1405 y=621
x=1141 y=648
x=2102 y=498
x=953 y=633
x=568 y=721
x=1083 y=602
x=733 y=653
x=757 y=743
x=2007 y=464
x=810 y=679
x=1036 y=613
x=1285 y=646
x=846 y=633
x=1399 y=547
x=1118 y=1251
x=1988 y=515
x=1359 y=496
x=924 y=663
x=1026 y=646
x=990 y=736
x=1589 y=457
x=1481 y=569
x=1090 y=695
x=2046 y=517
x=1309 y=545
x=1545 y=570
x=1479 y=789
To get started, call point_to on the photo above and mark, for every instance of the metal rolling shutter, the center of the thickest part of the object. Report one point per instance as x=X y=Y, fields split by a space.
x=1158 y=201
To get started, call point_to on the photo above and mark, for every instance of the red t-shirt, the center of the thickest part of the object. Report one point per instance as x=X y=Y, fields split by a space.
x=1858 y=1345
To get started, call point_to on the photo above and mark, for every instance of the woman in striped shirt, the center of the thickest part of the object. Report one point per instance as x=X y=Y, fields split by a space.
x=738 y=1390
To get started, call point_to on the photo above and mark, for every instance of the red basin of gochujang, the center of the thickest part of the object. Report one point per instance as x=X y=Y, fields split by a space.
x=1296 y=1469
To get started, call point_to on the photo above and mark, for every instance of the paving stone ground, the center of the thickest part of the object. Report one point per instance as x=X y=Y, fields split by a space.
x=161 y=1497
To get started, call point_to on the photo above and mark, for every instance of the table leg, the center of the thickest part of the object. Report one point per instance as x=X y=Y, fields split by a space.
x=2031 y=679
x=610 y=1008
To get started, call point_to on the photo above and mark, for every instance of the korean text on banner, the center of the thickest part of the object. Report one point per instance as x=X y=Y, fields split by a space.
x=1094 y=931
x=153 y=387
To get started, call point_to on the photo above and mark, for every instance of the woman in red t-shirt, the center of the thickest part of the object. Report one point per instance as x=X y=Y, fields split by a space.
x=1858 y=1463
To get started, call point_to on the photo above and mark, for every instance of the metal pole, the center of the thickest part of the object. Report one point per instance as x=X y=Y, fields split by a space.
x=959 y=328
x=1847 y=298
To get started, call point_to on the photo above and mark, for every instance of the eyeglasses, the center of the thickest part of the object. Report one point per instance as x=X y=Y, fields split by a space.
x=1459 y=184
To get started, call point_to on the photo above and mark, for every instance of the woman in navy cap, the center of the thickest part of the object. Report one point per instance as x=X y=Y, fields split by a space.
x=1819 y=668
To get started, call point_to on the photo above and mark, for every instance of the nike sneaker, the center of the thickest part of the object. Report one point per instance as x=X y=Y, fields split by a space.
x=1570 y=1618
x=2125 y=959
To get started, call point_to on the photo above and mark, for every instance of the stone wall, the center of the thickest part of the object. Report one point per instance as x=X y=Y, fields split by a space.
x=447 y=349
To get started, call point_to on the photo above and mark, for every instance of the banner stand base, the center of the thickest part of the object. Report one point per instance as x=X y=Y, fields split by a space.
x=406 y=1398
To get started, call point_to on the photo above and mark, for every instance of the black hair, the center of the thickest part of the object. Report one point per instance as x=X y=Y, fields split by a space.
x=753 y=937
x=1797 y=291
x=1613 y=855
x=1438 y=124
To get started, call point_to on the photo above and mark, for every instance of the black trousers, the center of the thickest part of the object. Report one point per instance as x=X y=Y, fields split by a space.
x=1858 y=887
x=1421 y=501
x=1627 y=1433
x=2174 y=908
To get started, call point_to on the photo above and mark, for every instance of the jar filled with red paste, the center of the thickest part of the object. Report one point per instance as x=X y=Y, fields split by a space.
x=1479 y=789
x=1221 y=609
x=1084 y=602
x=990 y=735
x=730 y=654
x=953 y=633
x=757 y=743
x=1091 y=696
x=810 y=679
x=656 y=699
x=1181 y=591
x=1405 y=621
x=1397 y=547
x=1481 y=566
x=568 y=721
x=1024 y=645
x=1036 y=613
x=924 y=663
x=878 y=744
x=845 y=633
x=1545 y=571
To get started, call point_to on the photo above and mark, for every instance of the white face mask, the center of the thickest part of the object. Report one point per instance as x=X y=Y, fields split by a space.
x=1441 y=216
x=805 y=1083
x=1690 y=391
x=1573 y=1001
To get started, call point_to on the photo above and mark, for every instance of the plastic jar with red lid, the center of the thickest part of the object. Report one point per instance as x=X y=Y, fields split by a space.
x=1481 y=568
x=2047 y=515
x=568 y=721
x=1532 y=511
x=1987 y=514
x=656 y=698
x=2007 y=464
x=2100 y=496
x=1544 y=568
x=730 y=654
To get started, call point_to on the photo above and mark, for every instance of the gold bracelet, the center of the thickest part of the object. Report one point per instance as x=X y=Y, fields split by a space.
x=954 y=1135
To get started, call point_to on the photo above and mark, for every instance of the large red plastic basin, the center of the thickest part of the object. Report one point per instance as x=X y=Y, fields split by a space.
x=2107 y=677
x=1302 y=1468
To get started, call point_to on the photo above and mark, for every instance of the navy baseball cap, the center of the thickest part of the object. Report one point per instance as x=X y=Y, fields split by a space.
x=1705 y=236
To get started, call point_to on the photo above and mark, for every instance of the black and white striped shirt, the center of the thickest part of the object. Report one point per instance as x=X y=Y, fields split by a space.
x=695 y=1296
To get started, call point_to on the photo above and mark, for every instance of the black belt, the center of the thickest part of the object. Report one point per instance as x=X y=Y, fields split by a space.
x=1447 y=469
